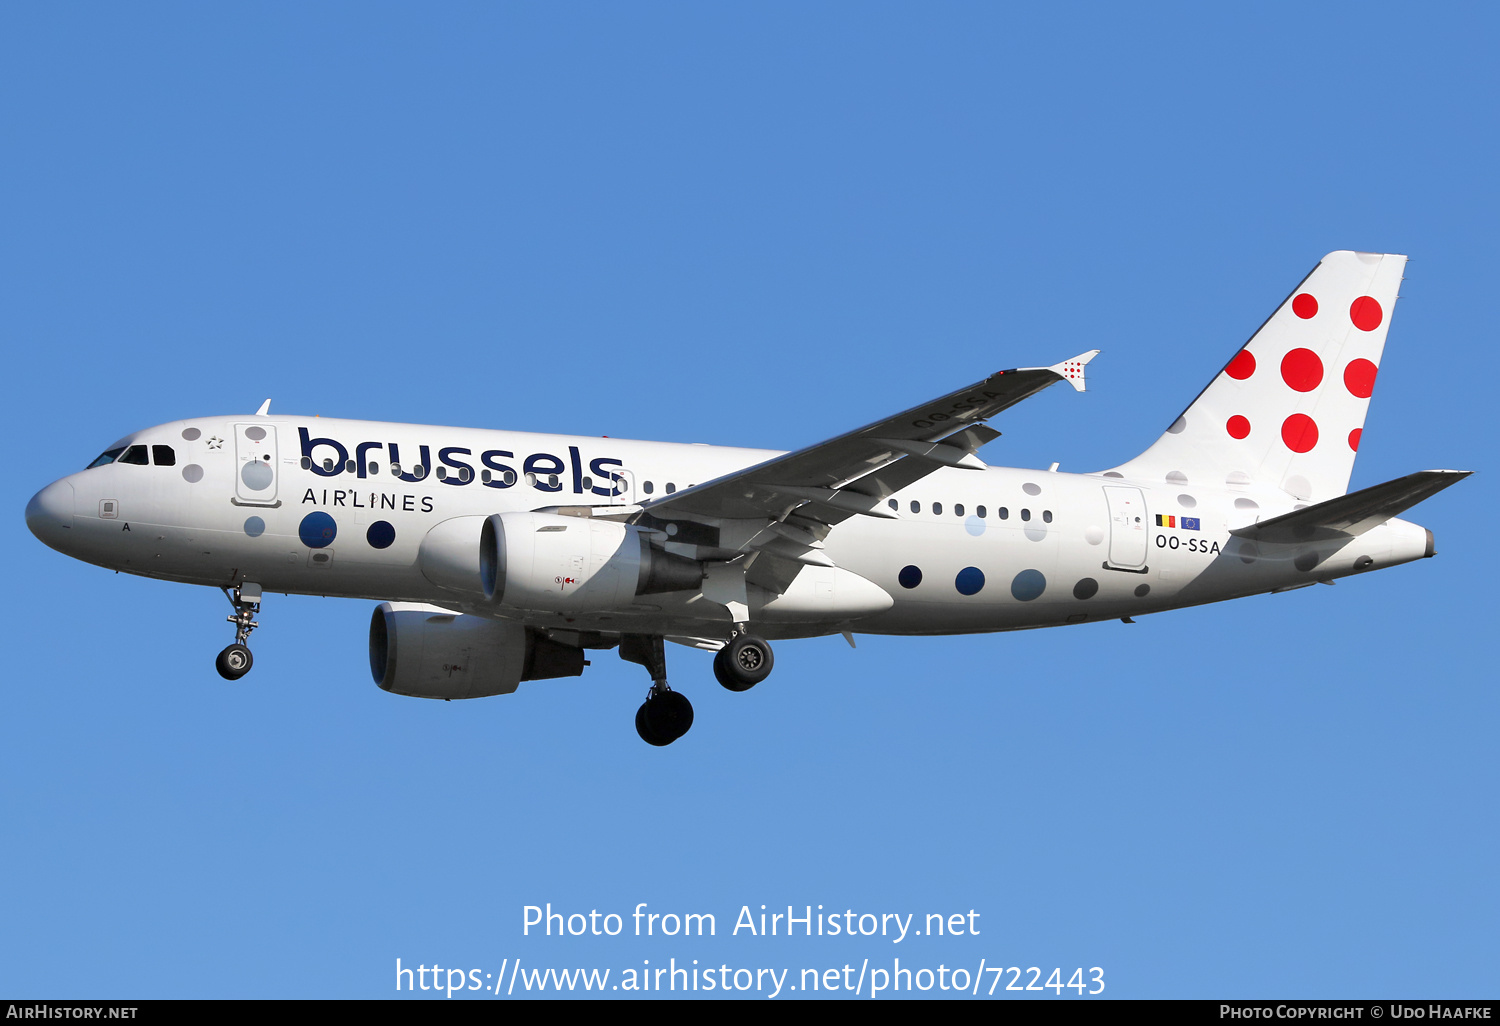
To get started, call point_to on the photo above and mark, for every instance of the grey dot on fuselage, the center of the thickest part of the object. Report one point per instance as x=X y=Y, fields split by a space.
x=257 y=476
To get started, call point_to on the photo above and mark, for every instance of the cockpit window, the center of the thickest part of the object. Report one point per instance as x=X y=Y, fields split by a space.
x=135 y=454
x=105 y=457
x=163 y=456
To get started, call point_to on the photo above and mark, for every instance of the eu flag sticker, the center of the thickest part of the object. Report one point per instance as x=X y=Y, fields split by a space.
x=1190 y=524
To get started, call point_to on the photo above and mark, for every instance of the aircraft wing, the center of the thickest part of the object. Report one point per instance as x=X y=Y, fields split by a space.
x=1355 y=513
x=855 y=473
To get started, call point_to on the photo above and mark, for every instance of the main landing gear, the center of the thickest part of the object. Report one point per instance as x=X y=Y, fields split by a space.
x=744 y=662
x=666 y=715
x=235 y=661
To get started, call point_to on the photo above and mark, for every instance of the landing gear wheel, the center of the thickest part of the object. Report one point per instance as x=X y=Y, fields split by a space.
x=722 y=672
x=644 y=729
x=234 y=662
x=666 y=716
x=744 y=662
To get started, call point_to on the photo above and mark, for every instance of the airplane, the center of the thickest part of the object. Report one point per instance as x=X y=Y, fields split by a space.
x=500 y=557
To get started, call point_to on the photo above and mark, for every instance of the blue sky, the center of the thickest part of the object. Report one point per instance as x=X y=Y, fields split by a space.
x=751 y=225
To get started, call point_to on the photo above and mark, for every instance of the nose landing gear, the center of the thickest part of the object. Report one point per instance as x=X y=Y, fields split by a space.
x=235 y=661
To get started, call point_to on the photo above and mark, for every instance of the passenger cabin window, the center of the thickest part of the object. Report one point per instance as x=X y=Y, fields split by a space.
x=979 y=512
x=135 y=454
x=671 y=488
x=894 y=504
x=937 y=508
x=1046 y=516
x=105 y=457
x=916 y=507
x=1026 y=514
x=958 y=509
x=648 y=487
x=1003 y=513
x=163 y=456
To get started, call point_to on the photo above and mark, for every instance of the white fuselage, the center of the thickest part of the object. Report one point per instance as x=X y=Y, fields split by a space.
x=997 y=549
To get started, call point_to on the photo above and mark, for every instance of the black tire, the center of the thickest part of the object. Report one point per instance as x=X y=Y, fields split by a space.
x=668 y=715
x=723 y=675
x=644 y=729
x=234 y=662
x=747 y=660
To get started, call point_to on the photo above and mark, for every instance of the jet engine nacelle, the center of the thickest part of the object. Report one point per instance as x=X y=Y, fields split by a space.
x=574 y=564
x=427 y=652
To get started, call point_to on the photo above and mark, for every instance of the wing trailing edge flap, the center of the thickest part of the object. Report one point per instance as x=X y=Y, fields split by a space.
x=1355 y=513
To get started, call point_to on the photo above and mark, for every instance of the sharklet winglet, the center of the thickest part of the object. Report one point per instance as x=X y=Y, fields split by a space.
x=1071 y=371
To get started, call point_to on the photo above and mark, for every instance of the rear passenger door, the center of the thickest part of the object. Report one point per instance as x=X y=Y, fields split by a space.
x=1128 y=530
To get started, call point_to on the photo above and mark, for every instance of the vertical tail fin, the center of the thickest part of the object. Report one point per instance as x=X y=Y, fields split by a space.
x=1288 y=409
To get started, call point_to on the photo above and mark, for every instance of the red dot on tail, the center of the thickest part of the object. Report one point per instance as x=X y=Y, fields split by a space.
x=1299 y=432
x=1359 y=378
x=1242 y=366
x=1354 y=438
x=1305 y=306
x=1238 y=427
x=1302 y=370
x=1366 y=314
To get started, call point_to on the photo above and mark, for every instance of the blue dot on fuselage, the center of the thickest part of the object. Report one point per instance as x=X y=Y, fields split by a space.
x=1028 y=584
x=910 y=576
x=969 y=580
x=317 y=530
x=380 y=535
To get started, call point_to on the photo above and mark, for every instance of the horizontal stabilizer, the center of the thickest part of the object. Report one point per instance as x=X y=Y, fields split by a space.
x=1355 y=513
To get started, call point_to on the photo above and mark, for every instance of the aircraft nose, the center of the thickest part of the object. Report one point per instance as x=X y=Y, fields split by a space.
x=49 y=514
